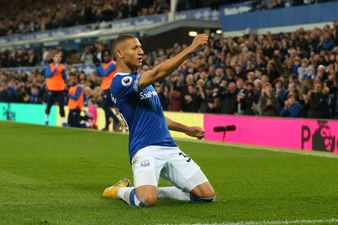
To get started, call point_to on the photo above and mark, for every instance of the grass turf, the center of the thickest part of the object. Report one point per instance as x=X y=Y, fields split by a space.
x=56 y=176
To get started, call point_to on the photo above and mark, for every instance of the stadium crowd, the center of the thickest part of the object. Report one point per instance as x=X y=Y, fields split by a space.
x=291 y=74
x=31 y=16
x=23 y=16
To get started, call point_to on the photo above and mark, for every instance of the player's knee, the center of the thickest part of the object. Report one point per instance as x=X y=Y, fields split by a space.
x=149 y=200
x=203 y=193
x=205 y=198
x=209 y=194
x=147 y=194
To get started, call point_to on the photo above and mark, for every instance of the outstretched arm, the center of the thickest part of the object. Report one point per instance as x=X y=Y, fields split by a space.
x=167 y=67
x=196 y=132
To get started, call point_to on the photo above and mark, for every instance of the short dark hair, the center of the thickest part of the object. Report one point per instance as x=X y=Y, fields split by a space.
x=120 y=39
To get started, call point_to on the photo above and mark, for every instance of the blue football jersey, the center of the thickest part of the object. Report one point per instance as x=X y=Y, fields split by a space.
x=142 y=111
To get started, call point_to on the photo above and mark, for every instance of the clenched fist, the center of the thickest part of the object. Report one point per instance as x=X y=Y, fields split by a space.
x=199 y=41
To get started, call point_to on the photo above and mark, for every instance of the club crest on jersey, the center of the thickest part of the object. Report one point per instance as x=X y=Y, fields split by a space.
x=126 y=81
x=145 y=163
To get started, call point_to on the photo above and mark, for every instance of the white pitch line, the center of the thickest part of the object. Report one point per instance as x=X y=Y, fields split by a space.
x=277 y=222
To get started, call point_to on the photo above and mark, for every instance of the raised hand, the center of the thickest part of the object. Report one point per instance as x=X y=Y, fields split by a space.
x=199 y=41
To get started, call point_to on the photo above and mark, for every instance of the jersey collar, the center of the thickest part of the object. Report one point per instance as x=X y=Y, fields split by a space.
x=124 y=74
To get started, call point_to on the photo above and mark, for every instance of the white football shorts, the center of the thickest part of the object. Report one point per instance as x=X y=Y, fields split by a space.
x=152 y=162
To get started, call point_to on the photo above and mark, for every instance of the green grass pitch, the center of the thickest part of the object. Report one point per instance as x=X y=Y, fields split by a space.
x=56 y=176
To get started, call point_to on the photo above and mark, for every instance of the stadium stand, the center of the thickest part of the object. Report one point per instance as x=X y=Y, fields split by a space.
x=226 y=77
x=26 y=16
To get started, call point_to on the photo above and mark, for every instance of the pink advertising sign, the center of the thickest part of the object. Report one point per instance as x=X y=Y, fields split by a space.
x=302 y=134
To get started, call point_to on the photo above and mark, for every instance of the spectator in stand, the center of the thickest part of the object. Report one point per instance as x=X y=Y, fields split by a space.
x=326 y=42
x=294 y=67
x=257 y=87
x=321 y=73
x=250 y=77
x=280 y=93
x=229 y=99
x=46 y=56
x=242 y=91
x=292 y=108
x=332 y=85
x=317 y=101
x=163 y=93
x=250 y=100
x=309 y=75
x=292 y=89
x=35 y=98
x=303 y=69
x=219 y=76
x=87 y=57
x=32 y=59
x=268 y=102
x=190 y=101
x=238 y=72
x=208 y=98
x=175 y=98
